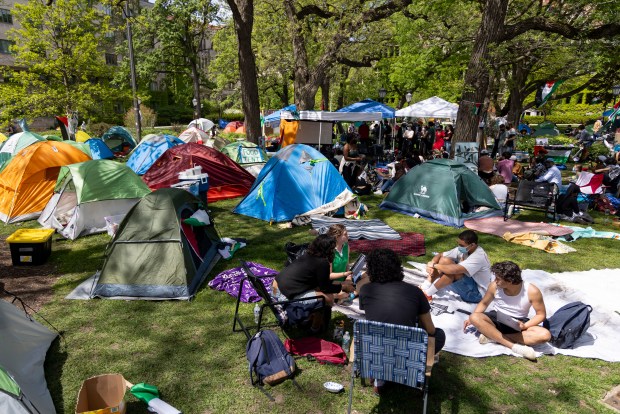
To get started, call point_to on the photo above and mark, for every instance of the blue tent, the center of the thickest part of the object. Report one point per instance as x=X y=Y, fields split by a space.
x=116 y=136
x=295 y=180
x=99 y=150
x=527 y=128
x=275 y=116
x=149 y=151
x=368 y=105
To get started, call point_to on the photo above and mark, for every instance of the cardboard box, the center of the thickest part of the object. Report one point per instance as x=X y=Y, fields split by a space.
x=102 y=394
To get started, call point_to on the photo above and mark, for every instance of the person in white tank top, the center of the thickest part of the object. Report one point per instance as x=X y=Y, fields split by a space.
x=513 y=300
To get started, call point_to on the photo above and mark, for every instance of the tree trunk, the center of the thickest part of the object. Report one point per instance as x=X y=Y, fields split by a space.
x=196 y=87
x=344 y=74
x=476 y=84
x=243 y=16
x=325 y=95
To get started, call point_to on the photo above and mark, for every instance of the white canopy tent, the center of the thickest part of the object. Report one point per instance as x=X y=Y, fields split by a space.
x=432 y=107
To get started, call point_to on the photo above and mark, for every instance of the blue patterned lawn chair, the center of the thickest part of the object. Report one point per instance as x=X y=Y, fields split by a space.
x=394 y=353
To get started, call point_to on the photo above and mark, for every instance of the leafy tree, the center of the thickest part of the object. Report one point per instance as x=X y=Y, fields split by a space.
x=61 y=51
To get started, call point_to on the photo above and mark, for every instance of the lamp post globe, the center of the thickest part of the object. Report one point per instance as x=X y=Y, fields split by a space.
x=408 y=97
x=382 y=93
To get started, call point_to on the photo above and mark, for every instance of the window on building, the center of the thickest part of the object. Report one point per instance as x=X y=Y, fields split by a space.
x=154 y=86
x=111 y=59
x=5 y=16
x=4 y=46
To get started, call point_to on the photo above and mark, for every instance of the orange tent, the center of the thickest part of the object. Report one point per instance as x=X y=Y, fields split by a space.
x=27 y=182
x=240 y=130
x=233 y=126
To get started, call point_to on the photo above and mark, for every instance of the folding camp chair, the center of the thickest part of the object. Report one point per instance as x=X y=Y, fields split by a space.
x=531 y=195
x=396 y=353
x=278 y=308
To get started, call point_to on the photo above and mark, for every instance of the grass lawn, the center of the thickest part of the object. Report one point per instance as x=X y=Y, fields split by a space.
x=189 y=351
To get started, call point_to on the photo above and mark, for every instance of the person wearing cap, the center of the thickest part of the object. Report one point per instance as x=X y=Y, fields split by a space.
x=499 y=140
x=553 y=174
x=509 y=144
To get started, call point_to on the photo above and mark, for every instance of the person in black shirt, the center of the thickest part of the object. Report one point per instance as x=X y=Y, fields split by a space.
x=388 y=299
x=309 y=275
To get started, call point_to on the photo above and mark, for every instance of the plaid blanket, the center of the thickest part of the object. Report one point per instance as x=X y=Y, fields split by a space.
x=411 y=244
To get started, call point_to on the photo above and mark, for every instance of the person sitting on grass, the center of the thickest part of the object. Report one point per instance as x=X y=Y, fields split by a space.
x=387 y=298
x=340 y=263
x=512 y=297
x=466 y=269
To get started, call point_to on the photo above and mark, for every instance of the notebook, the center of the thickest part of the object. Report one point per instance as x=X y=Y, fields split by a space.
x=358 y=268
x=508 y=321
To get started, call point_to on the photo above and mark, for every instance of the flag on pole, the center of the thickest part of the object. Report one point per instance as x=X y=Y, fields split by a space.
x=545 y=91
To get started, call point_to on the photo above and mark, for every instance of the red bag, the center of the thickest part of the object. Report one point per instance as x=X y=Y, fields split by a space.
x=316 y=348
x=602 y=203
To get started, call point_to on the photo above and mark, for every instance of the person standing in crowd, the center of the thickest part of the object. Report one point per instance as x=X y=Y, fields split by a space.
x=364 y=134
x=511 y=139
x=388 y=299
x=512 y=298
x=449 y=132
x=429 y=137
x=498 y=143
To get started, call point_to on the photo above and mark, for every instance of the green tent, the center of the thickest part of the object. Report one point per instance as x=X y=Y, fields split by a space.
x=88 y=192
x=154 y=254
x=443 y=191
x=245 y=152
x=82 y=146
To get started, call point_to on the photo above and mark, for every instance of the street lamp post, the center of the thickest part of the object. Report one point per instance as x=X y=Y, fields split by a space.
x=132 y=69
x=408 y=97
x=382 y=93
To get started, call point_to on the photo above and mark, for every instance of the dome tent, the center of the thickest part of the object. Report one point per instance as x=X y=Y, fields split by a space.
x=87 y=192
x=148 y=151
x=295 y=180
x=154 y=254
x=443 y=191
x=247 y=154
x=116 y=137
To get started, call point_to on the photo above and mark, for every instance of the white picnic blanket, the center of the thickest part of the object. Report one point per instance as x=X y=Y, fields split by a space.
x=591 y=287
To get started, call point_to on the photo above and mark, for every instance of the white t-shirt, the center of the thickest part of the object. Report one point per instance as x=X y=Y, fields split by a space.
x=500 y=191
x=477 y=265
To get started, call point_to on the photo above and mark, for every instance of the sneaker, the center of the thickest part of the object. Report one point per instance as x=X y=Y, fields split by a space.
x=525 y=351
x=378 y=192
x=483 y=340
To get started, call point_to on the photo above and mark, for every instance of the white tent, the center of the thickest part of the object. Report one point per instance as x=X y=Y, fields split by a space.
x=202 y=123
x=432 y=107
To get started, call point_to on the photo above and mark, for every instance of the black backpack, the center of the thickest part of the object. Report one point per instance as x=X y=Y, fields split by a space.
x=268 y=359
x=568 y=324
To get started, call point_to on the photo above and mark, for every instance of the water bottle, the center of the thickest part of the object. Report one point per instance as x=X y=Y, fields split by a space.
x=256 y=313
x=346 y=340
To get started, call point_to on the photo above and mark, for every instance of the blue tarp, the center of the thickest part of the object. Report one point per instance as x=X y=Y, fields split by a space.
x=295 y=180
x=368 y=105
x=275 y=116
x=148 y=152
x=99 y=150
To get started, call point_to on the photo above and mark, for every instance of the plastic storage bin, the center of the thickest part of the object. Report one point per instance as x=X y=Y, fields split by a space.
x=30 y=247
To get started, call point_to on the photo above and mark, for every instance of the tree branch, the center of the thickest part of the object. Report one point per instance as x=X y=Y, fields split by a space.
x=364 y=63
x=566 y=30
x=313 y=10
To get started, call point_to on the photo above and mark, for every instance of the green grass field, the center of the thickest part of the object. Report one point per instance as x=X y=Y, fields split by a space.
x=189 y=351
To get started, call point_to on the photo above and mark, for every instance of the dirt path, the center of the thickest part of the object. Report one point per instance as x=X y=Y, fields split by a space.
x=33 y=284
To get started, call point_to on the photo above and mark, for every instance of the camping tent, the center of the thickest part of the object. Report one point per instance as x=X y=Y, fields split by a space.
x=19 y=141
x=295 y=180
x=27 y=182
x=247 y=154
x=368 y=105
x=202 y=123
x=81 y=136
x=4 y=137
x=443 y=191
x=546 y=128
x=87 y=192
x=155 y=254
x=226 y=178
x=233 y=126
x=432 y=107
x=149 y=150
x=98 y=149
x=23 y=389
x=116 y=137
x=193 y=134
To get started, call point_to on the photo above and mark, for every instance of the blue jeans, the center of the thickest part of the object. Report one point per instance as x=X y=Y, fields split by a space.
x=467 y=289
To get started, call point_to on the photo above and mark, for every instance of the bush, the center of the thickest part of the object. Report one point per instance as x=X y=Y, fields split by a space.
x=527 y=143
x=98 y=128
x=148 y=117
x=571 y=119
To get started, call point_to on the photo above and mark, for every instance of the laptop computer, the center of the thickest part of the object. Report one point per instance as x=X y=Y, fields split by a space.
x=358 y=268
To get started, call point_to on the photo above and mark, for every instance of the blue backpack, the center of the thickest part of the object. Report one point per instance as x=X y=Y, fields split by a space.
x=268 y=359
x=568 y=324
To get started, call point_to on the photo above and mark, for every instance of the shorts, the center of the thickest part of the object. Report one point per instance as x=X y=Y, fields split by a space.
x=467 y=288
x=500 y=326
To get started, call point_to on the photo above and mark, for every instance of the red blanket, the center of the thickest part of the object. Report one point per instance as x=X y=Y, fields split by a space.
x=412 y=244
x=497 y=226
